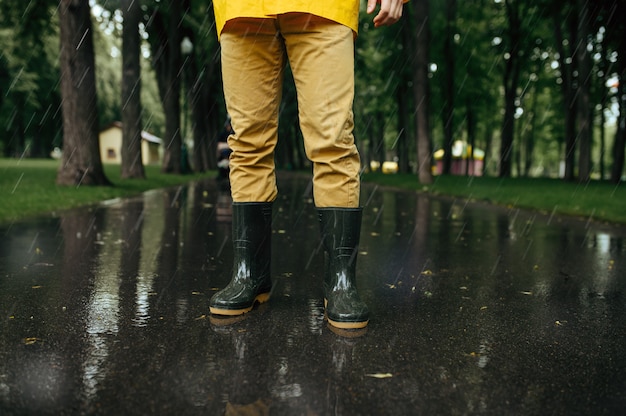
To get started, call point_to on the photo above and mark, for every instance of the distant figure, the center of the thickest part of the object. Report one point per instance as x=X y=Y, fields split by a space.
x=223 y=151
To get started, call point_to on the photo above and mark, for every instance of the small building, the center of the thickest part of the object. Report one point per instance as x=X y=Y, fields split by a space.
x=111 y=145
x=464 y=161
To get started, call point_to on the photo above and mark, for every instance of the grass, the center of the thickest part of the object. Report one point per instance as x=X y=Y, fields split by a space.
x=28 y=189
x=596 y=200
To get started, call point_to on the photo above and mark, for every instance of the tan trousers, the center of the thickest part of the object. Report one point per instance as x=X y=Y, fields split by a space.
x=321 y=55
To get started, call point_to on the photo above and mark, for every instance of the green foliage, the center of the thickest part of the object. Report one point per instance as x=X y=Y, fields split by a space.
x=28 y=78
x=108 y=46
x=380 y=69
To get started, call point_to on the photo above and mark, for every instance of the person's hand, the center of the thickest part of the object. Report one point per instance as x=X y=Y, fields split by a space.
x=389 y=13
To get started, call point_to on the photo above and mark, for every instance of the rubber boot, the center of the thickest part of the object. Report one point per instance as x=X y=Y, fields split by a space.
x=341 y=229
x=251 y=280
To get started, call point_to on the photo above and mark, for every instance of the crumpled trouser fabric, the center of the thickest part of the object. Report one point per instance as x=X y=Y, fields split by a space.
x=321 y=55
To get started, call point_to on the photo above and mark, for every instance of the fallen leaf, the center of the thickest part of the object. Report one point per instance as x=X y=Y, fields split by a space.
x=30 y=340
x=380 y=375
x=526 y=293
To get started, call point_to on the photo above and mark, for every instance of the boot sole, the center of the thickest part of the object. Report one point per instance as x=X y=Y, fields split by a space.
x=261 y=298
x=344 y=325
x=348 y=325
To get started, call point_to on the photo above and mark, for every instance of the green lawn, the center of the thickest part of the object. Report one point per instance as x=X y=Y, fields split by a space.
x=597 y=200
x=28 y=188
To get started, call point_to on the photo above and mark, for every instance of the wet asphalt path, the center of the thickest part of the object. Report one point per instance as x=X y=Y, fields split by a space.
x=475 y=310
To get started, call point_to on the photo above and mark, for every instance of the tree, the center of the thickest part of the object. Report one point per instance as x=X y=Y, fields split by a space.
x=511 y=77
x=619 y=145
x=583 y=109
x=132 y=163
x=612 y=12
x=567 y=69
x=449 y=84
x=81 y=163
x=421 y=91
x=202 y=82
x=29 y=78
x=165 y=38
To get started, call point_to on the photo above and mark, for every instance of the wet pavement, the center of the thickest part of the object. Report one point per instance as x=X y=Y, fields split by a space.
x=475 y=310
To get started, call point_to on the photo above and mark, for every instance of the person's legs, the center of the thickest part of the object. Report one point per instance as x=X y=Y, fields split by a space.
x=253 y=60
x=252 y=68
x=321 y=55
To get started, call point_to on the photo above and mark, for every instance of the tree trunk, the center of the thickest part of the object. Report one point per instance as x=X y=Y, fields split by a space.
x=81 y=163
x=471 y=139
x=420 y=89
x=199 y=95
x=132 y=163
x=583 y=113
x=619 y=145
x=511 y=79
x=165 y=35
x=530 y=135
x=404 y=96
x=402 y=142
x=569 y=96
x=449 y=90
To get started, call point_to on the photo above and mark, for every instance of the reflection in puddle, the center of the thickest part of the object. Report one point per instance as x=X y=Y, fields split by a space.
x=315 y=315
x=142 y=302
x=102 y=316
x=483 y=355
x=287 y=391
x=283 y=390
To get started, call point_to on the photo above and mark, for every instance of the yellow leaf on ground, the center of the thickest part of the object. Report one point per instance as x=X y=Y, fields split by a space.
x=380 y=375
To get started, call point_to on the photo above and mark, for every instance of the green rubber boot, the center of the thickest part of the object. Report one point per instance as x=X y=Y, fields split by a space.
x=341 y=229
x=251 y=280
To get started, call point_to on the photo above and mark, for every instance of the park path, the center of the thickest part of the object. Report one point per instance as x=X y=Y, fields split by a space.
x=475 y=310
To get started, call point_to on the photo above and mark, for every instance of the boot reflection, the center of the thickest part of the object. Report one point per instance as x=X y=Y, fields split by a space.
x=222 y=323
x=244 y=363
x=347 y=333
x=258 y=408
x=342 y=346
x=224 y=208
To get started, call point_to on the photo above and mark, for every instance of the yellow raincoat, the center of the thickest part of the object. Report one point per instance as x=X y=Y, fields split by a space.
x=345 y=12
